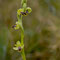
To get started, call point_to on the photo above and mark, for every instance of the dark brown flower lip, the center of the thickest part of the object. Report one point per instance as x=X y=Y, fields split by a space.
x=23 y=13
x=13 y=26
x=19 y=48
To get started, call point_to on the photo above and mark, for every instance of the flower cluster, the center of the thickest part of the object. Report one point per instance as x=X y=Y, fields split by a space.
x=18 y=46
x=21 y=12
x=24 y=11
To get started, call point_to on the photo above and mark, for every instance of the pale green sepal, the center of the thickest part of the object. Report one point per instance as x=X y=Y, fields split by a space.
x=19 y=11
x=15 y=48
x=29 y=9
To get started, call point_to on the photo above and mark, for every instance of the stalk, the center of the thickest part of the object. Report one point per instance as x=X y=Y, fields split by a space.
x=24 y=4
x=19 y=46
x=22 y=43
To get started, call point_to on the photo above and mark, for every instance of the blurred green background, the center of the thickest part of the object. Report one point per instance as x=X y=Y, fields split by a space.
x=42 y=30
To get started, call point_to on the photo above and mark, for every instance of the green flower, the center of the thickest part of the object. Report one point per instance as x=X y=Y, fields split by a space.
x=18 y=46
x=24 y=13
x=18 y=25
x=28 y=9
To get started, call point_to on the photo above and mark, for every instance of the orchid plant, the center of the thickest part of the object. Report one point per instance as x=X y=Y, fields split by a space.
x=24 y=11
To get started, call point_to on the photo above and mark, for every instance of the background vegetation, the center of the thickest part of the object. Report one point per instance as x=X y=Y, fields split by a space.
x=42 y=30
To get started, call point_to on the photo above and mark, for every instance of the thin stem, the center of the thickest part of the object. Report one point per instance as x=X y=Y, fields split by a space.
x=24 y=4
x=23 y=54
x=22 y=42
x=22 y=36
x=22 y=33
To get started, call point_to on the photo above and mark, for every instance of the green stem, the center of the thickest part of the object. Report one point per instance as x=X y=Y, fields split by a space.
x=22 y=36
x=23 y=54
x=24 y=3
x=22 y=42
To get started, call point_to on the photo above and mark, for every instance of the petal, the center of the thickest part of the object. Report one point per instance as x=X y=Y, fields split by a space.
x=15 y=48
x=19 y=11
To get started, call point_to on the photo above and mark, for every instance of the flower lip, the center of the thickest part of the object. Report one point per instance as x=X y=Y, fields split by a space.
x=19 y=48
x=23 y=13
x=13 y=26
